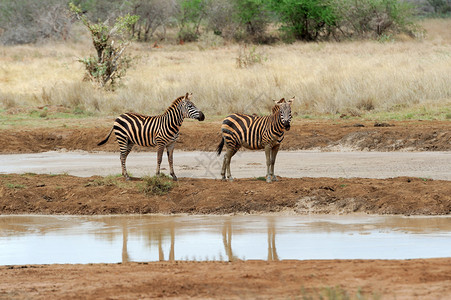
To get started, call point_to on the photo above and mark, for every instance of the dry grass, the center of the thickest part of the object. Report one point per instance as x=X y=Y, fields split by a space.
x=351 y=78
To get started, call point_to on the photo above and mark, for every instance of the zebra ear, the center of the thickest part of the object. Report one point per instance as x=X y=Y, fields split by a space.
x=291 y=100
x=280 y=101
x=188 y=96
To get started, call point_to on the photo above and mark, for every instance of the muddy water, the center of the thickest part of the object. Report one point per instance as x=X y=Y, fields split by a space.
x=433 y=165
x=111 y=239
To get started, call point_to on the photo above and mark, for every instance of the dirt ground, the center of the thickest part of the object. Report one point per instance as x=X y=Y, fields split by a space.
x=64 y=194
x=386 y=279
x=205 y=136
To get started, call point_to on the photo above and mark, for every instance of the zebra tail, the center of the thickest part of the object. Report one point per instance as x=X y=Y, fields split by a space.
x=106 y=139
x=220 y=146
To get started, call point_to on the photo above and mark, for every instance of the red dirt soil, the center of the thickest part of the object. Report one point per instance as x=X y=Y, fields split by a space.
x=389 y=279
x=205 y=136
x=64 y=194
x=376 y=279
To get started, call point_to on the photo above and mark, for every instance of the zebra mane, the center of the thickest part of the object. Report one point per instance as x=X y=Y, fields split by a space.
x=175 y=103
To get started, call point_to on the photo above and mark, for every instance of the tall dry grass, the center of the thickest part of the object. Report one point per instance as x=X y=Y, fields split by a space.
x=327 y=78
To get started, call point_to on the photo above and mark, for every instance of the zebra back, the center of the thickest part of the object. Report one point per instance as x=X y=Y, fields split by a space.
x=251 y=131
x=150 y=130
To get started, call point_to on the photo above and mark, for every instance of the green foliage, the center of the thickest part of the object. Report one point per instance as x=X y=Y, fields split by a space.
x=305 y=20
x=110 y=64
x=15 y=186
x=157 y=185
x=253 y=16
x=192 y=12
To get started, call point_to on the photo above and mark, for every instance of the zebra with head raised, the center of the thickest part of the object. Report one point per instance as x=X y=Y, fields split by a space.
x=161 y=131
x=254 y=132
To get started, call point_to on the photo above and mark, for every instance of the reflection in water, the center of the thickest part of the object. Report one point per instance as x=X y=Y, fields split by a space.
x=124 y=242
x=272 y=251
x=227 y=239
x=81 y=239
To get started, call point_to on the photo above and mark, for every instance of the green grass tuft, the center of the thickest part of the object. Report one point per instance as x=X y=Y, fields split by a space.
x=15 y=186
x=157 y=185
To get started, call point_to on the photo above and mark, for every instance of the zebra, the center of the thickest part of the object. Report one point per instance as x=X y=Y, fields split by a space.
x=254 y=132
x=161 y=131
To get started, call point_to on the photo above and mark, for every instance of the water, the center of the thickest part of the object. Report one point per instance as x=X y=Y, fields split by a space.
x=112 y=239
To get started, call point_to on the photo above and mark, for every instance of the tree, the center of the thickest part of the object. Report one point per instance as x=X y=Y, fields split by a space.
x=191 y=14
x=110 y=64
x=28 y=21
x=152 y=14
x=253 y=15
x=440 y=6
x=305 y=20
x=374 y=18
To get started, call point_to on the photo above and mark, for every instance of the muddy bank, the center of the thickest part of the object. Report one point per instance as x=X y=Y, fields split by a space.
x=205 y=136
x=64 y=194
x=384 y=279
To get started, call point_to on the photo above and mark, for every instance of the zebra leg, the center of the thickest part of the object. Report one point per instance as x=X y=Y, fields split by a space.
x=224 y=167
x=274 y=151
x=170 y=151
x=227 y=159
x=159 y=158
x=268 y=151
x=125 y=150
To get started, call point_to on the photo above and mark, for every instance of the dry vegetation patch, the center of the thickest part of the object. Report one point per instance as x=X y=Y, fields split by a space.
x=352 y=78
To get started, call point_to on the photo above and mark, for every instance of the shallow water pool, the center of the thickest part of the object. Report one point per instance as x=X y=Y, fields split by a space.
x=112 y=239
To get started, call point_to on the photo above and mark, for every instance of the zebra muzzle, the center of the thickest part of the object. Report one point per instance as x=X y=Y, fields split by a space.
x=201 y=116
x=287 y=125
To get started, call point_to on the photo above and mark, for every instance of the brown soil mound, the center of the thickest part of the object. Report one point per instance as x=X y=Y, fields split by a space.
x=205 y=136
x=375 y=279
x=63 y=194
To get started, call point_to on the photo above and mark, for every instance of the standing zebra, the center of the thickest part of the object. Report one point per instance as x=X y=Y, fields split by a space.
x=161 y=131
x=256 y=133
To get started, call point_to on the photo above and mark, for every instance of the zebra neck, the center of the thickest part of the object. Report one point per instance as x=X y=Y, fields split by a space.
x=174 y=115
x=276 y=122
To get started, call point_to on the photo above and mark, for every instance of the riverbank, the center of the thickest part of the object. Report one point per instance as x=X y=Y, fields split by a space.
x=65 y=194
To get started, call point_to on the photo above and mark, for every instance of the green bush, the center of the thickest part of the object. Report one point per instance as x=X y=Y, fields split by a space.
x=306 y=20
x=157 y=185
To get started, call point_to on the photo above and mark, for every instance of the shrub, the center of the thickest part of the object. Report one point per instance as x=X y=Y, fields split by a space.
x=23 y=22
x=249 y=56
x=192 y=12
x=306 y=20
x=157 y=185
x=375 y=18
x=110 y=64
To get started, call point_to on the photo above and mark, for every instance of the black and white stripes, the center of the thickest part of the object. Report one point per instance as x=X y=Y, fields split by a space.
x=253 y=132
x=153 y=131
